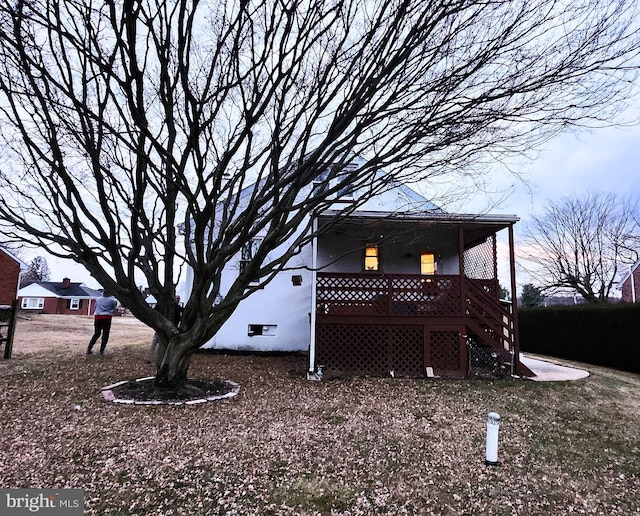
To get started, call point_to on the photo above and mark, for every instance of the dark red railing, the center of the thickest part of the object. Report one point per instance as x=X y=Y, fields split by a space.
x=405 y=295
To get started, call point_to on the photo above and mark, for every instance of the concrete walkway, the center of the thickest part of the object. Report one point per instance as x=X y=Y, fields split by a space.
x=550 y=372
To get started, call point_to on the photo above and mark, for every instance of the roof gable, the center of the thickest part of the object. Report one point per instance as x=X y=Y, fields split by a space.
x=397 y=197
x=56 y=289
x=23 y=266
x=628 y=273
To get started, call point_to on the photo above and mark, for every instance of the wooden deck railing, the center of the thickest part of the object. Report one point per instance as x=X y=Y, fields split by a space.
x=404 y=295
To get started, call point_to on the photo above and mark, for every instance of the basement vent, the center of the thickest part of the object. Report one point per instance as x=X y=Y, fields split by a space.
x=268 y=330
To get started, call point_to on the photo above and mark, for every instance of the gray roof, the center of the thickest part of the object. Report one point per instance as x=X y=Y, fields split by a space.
x=75 y=290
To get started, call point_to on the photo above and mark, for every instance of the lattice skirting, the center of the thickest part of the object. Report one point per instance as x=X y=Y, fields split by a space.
x=380 y=349
x=444 y=352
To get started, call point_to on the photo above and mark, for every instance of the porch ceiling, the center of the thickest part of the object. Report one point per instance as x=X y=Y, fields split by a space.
x=476 y=228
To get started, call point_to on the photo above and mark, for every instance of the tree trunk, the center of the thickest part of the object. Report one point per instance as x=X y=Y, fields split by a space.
x=174 y=357
x=175 y=352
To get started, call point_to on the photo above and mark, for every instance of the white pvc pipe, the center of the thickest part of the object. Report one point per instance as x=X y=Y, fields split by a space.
x=314 y=279
x=493 y=427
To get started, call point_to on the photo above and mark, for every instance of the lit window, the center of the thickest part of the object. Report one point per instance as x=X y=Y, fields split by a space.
x=371 y=258
x=428 y=265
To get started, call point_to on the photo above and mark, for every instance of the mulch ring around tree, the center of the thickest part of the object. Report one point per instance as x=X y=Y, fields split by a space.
x=142 y=392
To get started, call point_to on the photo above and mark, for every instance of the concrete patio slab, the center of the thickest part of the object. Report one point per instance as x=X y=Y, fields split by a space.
x=547 y=371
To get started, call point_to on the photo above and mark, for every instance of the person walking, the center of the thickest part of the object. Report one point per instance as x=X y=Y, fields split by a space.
x=102 y=315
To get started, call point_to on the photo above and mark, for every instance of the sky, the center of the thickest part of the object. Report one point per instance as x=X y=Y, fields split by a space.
x=603 y=160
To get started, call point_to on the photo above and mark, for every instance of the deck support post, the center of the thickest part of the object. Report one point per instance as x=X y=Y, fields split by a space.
x=461 y=267
x=514 y=302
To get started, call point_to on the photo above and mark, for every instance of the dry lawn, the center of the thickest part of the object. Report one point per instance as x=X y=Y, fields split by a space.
x=288 y=446
x=61 y=335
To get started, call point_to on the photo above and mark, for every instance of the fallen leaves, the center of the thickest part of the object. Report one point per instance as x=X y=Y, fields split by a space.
x=288 y=446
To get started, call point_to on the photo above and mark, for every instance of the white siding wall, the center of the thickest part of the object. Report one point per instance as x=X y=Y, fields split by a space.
x=284 y=308
x=281 y=306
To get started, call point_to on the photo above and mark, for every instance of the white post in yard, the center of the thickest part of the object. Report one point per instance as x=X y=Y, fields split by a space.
x=493 y=426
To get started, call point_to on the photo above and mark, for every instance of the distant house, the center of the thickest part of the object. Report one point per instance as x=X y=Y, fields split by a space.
x=11 y=267
x=63 y=297
x=630 y=284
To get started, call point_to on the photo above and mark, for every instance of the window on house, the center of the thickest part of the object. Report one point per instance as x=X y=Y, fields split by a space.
x=372 y=257
x=338 y=181
x=321 y=183
x=74 y=304
x=428 y=264
x=248 y=252
x=32 y=303
x=347 y=192
x=319 y=187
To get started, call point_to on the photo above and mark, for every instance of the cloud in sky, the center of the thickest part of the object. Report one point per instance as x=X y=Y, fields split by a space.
x=603 y=160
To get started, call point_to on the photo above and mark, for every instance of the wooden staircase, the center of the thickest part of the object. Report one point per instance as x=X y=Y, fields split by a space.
x=493 y=324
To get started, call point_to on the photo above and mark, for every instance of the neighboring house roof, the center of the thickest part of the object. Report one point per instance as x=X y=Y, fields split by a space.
x=23 y=266
x=627 y=274
x=57 y=289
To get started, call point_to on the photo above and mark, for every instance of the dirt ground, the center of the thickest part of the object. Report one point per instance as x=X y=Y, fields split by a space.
x=37 y=333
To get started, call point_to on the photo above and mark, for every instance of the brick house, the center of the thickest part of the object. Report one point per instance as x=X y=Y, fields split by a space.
x=630 y=284
x=63 y=297
x=11 y=267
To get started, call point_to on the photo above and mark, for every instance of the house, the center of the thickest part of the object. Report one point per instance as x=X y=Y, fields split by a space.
x=630 y=284
x=397 y=287
x=12 y=268
x=63 y=297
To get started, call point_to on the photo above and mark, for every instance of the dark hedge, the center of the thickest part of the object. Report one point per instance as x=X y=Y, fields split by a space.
x=605 y=335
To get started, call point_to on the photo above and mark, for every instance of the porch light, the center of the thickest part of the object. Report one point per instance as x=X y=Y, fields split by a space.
x=493 y=426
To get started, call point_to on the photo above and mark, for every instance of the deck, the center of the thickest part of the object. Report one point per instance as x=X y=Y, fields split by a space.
x=408 y=324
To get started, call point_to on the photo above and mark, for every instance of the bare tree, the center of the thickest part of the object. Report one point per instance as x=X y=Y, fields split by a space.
x=580 y=243
x=38 y=270
x=123 y=121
